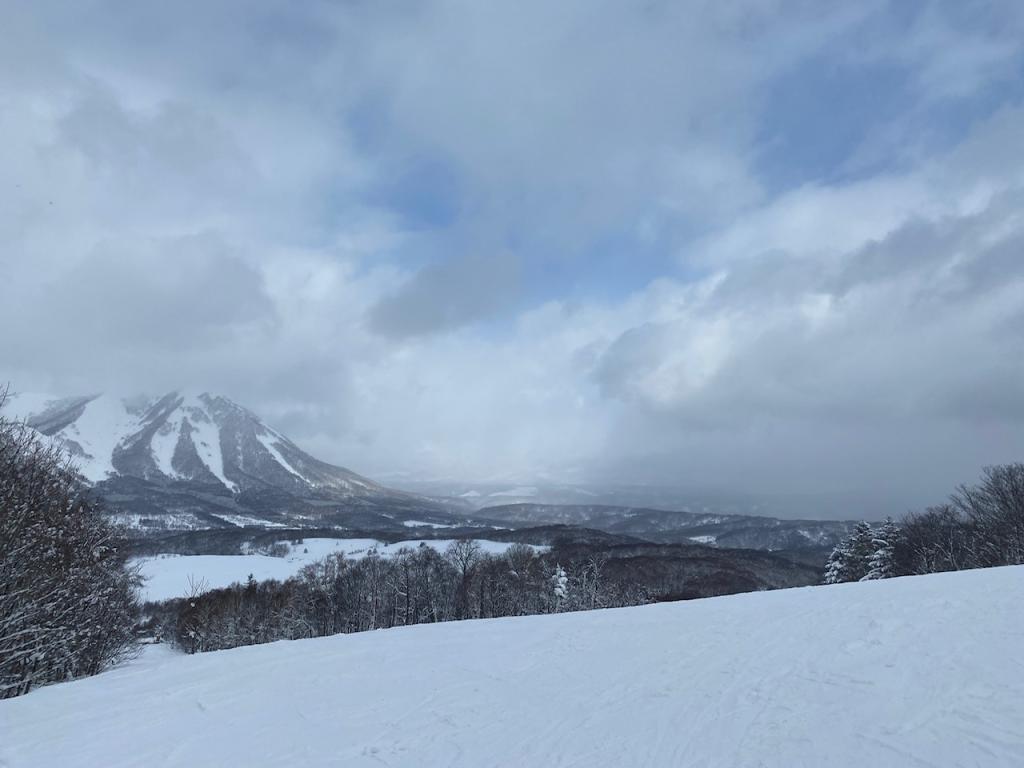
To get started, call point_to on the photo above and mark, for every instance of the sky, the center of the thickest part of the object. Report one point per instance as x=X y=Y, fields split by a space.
x=764 y=246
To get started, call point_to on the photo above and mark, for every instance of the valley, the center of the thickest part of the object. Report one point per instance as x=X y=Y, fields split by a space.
x=201 y=477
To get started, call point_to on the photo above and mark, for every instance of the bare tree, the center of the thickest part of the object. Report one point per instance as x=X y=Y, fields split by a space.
x=935 y=540
x=996 y=508
x=464 y=554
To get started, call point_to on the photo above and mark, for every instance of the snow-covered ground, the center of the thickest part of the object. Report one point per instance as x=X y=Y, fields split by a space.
x=913 y=672
x=704 y=539
x=169 y=576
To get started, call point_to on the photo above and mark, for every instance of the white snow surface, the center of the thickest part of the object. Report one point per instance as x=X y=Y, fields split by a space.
x=170 y=576
x=269 y=441
x=922 y=672
x=206 y=438
x=104 y=420
x=163 y=444
x=705 y=539
x=424 y=524
x=523 y=490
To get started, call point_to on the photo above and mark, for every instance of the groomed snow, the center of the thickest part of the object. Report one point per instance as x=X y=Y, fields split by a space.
x=170 y=576
x=917 y=672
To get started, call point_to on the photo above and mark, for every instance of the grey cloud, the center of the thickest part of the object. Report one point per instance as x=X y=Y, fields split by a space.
x=895 y=375
x=175 y=143
x=915 y=245
x=633 y=353
x=448 y=295
x=136 y=311
x=566 y=125
x=980 y=250
x=170 y=293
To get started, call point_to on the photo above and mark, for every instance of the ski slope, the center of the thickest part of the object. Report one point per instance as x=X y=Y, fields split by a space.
x=913 y=672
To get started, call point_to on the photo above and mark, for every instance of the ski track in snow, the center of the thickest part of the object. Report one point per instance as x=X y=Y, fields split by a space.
x=919 y=672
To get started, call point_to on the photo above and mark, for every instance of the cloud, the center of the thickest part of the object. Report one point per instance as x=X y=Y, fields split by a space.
x=760 y=245
x=447 y=295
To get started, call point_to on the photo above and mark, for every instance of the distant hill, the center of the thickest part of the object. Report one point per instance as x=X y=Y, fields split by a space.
x=658 y=525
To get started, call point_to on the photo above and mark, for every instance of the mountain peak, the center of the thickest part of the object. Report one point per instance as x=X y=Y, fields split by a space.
x=183 y=436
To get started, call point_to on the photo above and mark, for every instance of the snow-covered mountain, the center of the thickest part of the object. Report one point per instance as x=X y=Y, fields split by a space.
x=919 y=671
x=188 y=460
x=201 y=438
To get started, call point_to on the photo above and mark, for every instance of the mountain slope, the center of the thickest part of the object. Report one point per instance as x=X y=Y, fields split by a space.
x=918 y=671
x=201 y=460
x=201 y=438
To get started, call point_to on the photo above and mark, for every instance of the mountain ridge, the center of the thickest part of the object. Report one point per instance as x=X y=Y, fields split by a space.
x=678 y=526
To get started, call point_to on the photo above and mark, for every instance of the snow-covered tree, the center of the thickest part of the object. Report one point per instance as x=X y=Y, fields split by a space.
x=861 y=549
x=67 y=600
x=559 y=586
x=882 y=563
x=835 y=569
x=850 y=560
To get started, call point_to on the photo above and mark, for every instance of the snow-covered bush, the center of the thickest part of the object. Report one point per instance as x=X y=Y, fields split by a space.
x=67 y=600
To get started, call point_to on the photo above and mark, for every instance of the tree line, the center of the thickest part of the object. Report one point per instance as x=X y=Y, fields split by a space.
x=981 y=526
x=412 y=586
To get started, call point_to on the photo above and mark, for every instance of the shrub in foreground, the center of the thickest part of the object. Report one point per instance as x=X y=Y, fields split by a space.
x=67 y=598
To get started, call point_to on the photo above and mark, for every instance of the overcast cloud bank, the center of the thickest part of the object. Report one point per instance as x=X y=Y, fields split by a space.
x=765 y=246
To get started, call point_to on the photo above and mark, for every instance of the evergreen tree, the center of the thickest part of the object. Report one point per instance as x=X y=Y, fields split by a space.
x=850 y=560
x=835 y=569
x=559 y=586
x=882 y=563
x=861 y=549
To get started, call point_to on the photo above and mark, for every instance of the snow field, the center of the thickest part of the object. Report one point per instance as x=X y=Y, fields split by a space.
x=920 y=672
x=169 y=576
